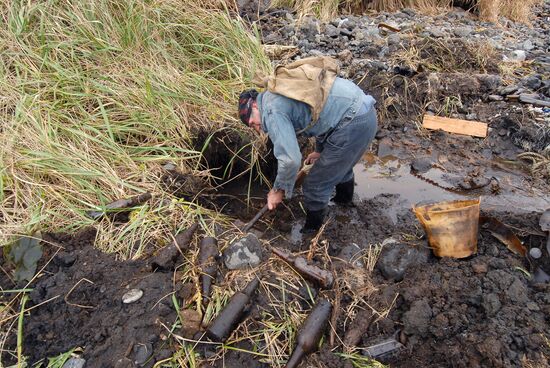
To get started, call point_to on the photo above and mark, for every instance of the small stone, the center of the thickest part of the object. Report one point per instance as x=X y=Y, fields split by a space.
x=124 y=363
x=533 y=307
x=533 y=82
x=331 y=31
x=509 y=90
x=385 y=147
x=528 y=45
x=132 y=296
x=536 y=253
x=142 y=353
x=495 y=98
x=346 y=56
x=243 y=253
x=74 y=363
x=463 y=31
x=422 y=164
x=436 y=33
x=515 y=56
x=480 y=268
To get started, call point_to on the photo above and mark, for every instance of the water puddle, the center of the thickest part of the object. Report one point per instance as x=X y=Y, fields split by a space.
x=376 y=176
x=393 y=177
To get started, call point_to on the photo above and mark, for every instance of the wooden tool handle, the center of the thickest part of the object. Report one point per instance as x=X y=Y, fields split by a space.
x=251 y=223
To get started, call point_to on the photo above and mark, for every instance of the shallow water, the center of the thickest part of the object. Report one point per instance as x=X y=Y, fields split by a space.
x=375 y=176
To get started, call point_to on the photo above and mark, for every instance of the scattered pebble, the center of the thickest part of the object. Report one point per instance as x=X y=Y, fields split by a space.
x=536 y=253
x=74 y=363
x=132 y=296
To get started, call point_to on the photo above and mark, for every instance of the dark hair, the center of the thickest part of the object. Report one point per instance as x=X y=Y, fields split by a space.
x=246 y=98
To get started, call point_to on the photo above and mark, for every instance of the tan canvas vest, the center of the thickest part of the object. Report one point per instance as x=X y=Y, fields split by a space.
x=307 y=80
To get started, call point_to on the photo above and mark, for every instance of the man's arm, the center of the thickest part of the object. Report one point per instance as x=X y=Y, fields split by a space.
x=286 y=150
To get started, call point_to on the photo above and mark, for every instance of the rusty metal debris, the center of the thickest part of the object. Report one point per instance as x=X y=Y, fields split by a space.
x=504 y=234
x=388 y=27
x=321 y=277
x=255 y=219
x=166 y=258
x=311 y=332
x=353 y=336
x=228 y=319
x=208 y=266
x=121 y=204
x=384 y=349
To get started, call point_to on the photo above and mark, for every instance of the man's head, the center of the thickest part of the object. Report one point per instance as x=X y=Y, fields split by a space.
x=248 y=109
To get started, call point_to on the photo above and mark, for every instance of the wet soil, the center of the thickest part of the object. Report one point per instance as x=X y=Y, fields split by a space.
x=82 y=290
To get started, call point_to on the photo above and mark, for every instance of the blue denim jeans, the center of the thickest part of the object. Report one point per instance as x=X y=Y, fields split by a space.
x=340 y=150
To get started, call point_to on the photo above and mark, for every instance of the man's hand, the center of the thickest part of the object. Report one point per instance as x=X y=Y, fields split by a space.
x=312 y=157
x=274 y=197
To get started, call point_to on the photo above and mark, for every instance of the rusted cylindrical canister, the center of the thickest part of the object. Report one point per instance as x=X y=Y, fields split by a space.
x=311 y=332
x=228 y=319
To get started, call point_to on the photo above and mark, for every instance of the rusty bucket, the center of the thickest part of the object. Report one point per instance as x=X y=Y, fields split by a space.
x=452 y=227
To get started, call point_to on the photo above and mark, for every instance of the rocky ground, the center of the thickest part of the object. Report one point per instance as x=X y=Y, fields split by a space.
x=483 y=311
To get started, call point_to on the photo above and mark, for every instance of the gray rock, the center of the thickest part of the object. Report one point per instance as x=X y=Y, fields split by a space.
x=385 y=148
x=331 y=31
x=515 y=56
x=348 y=24
x=535 y=252
x=517 y=292
x=410 y=12
x=463 y=31
x=243 y=253
x=490 y=81
x=74 y=363
x=395 y=259
x=394 y=39
x=371 y=31
x=495 y=98
x=528 y=45
x=422 y=164
x=309 y=28
x=315 y=53
x=508 y=90
x=533 y=82
x=346 y=32
x=436 y=32
x=142 y=353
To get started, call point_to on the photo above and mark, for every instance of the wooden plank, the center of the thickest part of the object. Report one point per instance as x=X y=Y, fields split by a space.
x=473 y=128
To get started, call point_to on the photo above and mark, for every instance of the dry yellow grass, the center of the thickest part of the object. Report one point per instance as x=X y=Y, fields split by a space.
x=488 y=9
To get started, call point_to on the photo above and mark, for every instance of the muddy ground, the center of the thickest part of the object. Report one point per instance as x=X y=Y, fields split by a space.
x=483 y=311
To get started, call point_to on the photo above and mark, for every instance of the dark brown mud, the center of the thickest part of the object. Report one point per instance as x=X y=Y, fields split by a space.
x=87 y=311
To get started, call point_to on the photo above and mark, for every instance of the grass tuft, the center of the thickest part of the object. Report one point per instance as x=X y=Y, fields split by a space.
x=96 y=96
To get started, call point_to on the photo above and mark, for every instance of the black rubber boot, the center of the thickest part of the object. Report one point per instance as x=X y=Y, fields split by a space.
x=344 y=193
x=314 y=220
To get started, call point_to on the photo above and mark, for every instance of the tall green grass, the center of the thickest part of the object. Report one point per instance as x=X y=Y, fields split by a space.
x=96 y=95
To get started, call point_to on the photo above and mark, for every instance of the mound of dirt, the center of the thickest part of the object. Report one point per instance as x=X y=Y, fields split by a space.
x=477 y=312
x=88 y=311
